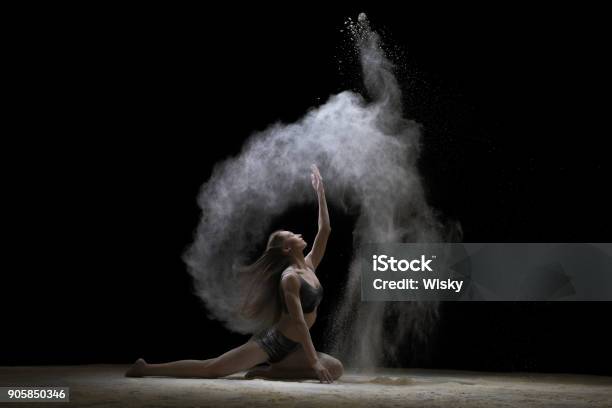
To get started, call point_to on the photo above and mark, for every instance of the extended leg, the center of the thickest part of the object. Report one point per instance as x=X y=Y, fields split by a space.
x=238 y=359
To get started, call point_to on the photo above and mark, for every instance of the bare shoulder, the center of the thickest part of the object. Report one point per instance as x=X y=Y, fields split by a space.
x=309 y=263
x=290 y=280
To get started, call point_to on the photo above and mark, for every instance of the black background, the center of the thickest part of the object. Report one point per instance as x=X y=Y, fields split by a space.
x=127 y=111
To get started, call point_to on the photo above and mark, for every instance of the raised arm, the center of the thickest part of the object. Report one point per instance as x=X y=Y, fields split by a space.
x=291 y=288
x=320 y=242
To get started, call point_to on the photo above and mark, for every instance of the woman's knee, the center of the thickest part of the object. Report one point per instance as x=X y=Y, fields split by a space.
x=213 y=369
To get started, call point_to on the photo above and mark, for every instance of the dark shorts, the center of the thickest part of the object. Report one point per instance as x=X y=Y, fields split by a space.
x=275 y=344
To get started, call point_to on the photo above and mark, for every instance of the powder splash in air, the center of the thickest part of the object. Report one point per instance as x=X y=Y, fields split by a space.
x=367 y=153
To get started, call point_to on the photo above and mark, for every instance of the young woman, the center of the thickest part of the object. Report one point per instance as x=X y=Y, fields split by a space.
x=283 y=284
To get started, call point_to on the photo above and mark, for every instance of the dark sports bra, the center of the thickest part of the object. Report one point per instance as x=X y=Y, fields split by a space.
x=310 y=297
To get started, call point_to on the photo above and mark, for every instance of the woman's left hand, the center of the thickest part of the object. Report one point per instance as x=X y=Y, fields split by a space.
x=317 y=180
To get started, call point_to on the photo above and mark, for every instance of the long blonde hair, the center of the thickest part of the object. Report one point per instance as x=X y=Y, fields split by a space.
x=260 y=283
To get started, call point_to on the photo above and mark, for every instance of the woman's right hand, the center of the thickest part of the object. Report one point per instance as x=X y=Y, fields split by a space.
x=322 y=372
x=317 y=180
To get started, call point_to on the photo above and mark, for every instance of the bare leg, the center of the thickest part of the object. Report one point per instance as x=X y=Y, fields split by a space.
x=295 y=365
x=236 y=360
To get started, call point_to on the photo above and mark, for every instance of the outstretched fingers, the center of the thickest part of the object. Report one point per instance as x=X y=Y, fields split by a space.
x=315 y=171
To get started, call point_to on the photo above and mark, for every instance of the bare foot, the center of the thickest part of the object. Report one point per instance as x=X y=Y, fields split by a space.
x=137 y=369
